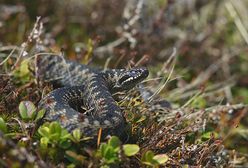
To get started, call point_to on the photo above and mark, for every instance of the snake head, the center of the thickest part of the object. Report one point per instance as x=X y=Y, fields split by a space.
x=130 y=78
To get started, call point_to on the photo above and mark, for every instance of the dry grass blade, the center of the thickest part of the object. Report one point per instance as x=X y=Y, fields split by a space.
x=11 y=53
x=238 y=22
x=165 y=80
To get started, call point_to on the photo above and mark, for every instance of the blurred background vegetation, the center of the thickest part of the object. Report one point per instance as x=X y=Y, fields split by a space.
x=209 y=39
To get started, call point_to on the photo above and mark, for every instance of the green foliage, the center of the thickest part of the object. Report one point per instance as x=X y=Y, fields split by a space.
x=22 y=73
x=130 y=149
x=3 y=125
x=209 y=135
x=54 y=141
x=150 y=159
x=53 y=134
x=28 y=111
x=110 y=152
x=76 y=136
x=40 y=114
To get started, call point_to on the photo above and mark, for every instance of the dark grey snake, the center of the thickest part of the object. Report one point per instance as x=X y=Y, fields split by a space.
x=87 y=86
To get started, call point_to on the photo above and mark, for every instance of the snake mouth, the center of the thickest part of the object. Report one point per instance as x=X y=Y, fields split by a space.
x=125 y=79
x=132 y=77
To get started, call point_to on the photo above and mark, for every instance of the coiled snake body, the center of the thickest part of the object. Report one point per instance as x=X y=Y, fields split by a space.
x=89 y=87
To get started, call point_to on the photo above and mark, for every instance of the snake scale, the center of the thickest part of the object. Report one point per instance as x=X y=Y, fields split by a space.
x=82 y=85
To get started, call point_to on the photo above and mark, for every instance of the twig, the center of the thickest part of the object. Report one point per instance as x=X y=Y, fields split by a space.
x=207 y=91
x=218 y=108
x=201 y=78
x=110 y=46
x=10 y=47
x=33 y=35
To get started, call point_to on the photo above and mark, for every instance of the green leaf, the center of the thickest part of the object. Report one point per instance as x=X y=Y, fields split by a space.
x=110 y=158
x=54 y=137
x=103 y=149
x=23 y=111
x=130 y=149
x=27 y=110
x=108 y=150
x=207 y=135
x=115 y=143
x=65 y=134
x=108 y=153
x=55 y=128
x=161 y=158
x=40 y=114
x=3 y=125
x=44 y=131
x=44 y=142
x=149 y=156
x=76 y=135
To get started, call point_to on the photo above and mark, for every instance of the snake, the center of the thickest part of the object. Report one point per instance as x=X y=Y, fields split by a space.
x=92 y=88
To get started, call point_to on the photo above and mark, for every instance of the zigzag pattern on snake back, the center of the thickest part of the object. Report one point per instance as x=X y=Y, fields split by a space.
x=87 y=86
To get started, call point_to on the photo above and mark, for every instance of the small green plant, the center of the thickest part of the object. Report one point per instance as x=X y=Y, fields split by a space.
x=110 y=152
x=28 y=111
x=152 y=160
x=22 y=73
x=53 y=134
x=208 y=135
